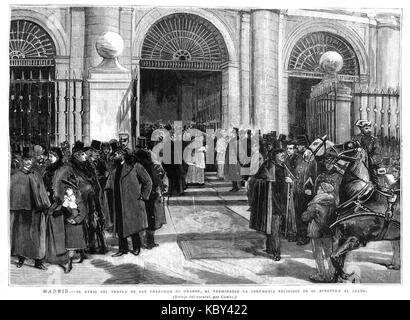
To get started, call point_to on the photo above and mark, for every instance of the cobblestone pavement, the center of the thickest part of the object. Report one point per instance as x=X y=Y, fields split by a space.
x=207 y=241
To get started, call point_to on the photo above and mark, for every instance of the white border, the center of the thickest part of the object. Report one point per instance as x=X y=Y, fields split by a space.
x=328 y=291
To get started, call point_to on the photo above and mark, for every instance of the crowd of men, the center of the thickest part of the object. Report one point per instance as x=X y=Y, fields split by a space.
x=64 y=201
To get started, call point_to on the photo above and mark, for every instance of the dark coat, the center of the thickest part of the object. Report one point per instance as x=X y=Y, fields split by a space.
x=372 y=147
x=155 y=204
x=75 y=234
x=320 y=214
x=28 y=202
x=27 y=192
x=268 y=196
x=135 y=187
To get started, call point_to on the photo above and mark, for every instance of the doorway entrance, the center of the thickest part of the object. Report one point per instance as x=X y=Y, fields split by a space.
x=298 y=95
x=193 y=97
x=183 y=63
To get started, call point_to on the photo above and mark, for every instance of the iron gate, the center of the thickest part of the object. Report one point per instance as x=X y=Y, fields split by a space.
x=44 y=109
x=321 y=112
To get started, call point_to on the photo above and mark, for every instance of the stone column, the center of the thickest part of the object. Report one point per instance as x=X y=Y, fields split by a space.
x=233 y=94
x=388 y=51
x=342 y=113
x=265 y=69
x=245 y=83
x=126 y=28
x=97 y=21
x=110 y=92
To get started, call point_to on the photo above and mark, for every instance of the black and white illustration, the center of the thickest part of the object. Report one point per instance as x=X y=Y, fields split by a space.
x=204 y=146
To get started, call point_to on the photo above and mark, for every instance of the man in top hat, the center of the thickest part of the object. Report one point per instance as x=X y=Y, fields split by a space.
x=131 y=185
x=99 y=164
x=372 y=147
x=101 y=171
x=268 y=203
x=305 y=174
x=28 y=204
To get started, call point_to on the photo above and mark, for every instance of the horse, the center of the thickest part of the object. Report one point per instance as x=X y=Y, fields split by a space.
x=365 y=212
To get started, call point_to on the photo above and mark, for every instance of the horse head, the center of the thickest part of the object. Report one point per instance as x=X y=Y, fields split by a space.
x=318 y=148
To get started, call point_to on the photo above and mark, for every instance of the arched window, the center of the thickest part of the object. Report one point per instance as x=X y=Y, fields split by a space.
x=30 y=45
x=306 y=53
x=183 y=41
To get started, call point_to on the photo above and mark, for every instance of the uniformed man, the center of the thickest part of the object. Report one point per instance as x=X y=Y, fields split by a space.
x=371 y=145
x=305 y=174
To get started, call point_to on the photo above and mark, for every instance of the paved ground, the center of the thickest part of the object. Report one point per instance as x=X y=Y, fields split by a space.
x=207 y=241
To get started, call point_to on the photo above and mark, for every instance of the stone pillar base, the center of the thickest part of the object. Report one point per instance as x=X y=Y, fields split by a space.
x=342 y=114
x=107 y=91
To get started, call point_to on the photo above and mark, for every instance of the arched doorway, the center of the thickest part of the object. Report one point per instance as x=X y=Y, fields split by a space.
x=32 y=89
x=182 y=60
x=305 y=72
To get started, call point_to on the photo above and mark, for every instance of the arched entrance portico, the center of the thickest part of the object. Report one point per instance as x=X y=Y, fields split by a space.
x=194 y=51
x=303 y=71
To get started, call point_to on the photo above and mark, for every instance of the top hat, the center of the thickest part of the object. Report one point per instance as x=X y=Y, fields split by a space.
x=71 y=181
x=95 y=145
x=27 y=154
x=116 y=146
x=141 y=142
x=78 y=146
x=363 y=123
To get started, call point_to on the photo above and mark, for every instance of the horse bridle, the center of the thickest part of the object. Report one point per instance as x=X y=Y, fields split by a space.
x=323 y=143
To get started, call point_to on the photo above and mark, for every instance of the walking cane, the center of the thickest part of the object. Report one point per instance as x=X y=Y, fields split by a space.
x=287 y=210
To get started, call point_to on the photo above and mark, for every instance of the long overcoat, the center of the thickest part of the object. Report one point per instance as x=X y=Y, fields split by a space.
x=135 y=187
x=28 y=202
x=268 y=196
x=155 y=205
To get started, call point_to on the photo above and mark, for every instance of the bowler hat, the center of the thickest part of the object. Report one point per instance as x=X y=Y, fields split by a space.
x=71 y=181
